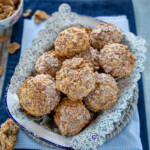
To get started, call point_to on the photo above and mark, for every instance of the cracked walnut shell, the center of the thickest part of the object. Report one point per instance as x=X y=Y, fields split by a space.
x=71 y=117
x=49 y=63
x=75 y=78
x=38 y=95
x=104 y=95
x=72 y=41
x=117 y=60
x=105 y=34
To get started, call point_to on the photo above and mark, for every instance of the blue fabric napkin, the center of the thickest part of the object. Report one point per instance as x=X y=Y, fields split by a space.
x=84 y=7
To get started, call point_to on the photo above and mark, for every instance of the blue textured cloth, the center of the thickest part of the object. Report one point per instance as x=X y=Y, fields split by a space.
x=84 y=7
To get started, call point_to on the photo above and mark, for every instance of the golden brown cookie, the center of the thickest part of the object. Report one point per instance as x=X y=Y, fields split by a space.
x=105 y=34
x=8 y=135
x=49 y=63
x=38 y=95
x=71 y=117
x=72 y=41
x=75 y=78
x=104 y=95
x=91 y=57
x=117 y=60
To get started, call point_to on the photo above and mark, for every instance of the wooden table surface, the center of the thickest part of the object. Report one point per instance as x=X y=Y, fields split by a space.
x=142 y=16
x=4 y=54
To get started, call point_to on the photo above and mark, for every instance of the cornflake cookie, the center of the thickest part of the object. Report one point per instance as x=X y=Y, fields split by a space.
x=12 y=47
x=75 y=79
x=1 y=70
x=104 y=95
x=4 y=38
x=39 y=16
x=71 y=117
x=105 y=34
x=27 y=13
x=117 y=60
x=91 y=57
x=8 y=135
x=38 y=95
x=72 y=41
x=49 y=63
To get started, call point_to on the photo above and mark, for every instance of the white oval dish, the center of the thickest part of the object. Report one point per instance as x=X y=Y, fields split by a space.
x=94 y=134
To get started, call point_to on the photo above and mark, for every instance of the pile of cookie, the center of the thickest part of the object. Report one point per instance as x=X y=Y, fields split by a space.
x=79 y=77
x=8 y=7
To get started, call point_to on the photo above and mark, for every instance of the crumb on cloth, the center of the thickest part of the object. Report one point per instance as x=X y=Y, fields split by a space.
x=39 y=16
x=12 y=47
x=27 y=13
